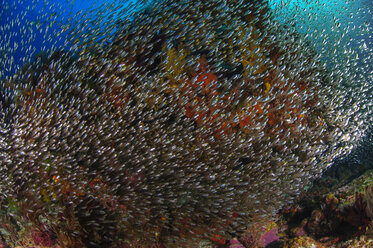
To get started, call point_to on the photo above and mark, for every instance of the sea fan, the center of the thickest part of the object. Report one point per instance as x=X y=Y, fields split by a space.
x=194 y=120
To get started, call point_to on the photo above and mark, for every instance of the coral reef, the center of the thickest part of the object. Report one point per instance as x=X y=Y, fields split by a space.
x=197 y=121
x=338 y=219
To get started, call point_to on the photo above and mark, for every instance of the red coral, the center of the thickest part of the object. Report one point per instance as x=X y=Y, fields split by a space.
x=43 y=238
x=356 y=214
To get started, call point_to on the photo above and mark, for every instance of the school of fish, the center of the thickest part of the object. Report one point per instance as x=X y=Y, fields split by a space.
x=184 y=121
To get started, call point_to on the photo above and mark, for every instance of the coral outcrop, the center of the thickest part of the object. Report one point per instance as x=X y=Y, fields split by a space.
x=197 y=120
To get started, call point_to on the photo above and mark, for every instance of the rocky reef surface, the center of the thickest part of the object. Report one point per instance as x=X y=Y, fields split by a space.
x=195 y=124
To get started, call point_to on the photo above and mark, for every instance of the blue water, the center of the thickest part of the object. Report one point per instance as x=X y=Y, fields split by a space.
x=43 y=15
x=336 y=13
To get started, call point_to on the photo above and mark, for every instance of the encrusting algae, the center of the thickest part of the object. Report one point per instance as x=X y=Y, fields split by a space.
x=193 y=120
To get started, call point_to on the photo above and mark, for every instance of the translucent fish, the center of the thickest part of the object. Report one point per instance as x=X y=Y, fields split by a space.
x=173 y=122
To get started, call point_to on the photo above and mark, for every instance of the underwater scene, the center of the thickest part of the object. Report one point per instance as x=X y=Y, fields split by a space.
x=186 y=123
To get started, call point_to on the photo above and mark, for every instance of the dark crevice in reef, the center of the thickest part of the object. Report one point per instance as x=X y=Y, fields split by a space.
x=348 y=168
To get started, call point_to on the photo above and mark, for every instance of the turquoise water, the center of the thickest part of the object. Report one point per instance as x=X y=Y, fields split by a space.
x=324 y=22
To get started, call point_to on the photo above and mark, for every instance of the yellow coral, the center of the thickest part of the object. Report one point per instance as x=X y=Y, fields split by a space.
x=252 y=52
x=271 y=226
x=174 y=65
x=48 y=196
x=303 y=242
